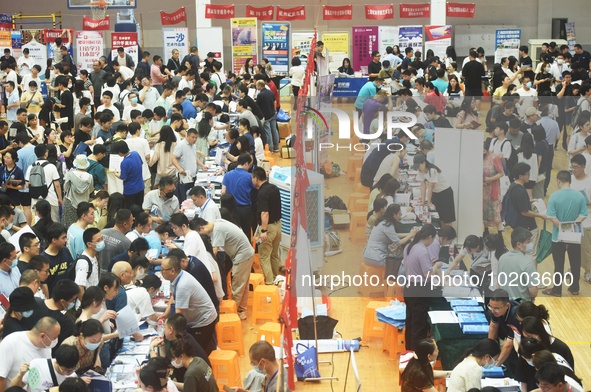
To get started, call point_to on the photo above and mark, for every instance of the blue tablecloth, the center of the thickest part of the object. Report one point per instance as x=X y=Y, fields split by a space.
x=348 y=87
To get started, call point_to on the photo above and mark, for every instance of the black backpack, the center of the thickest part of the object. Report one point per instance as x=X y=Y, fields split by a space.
x=108 y=146
x=71 y=271
x=335 y=203
x=508 y=213
x=512 y=161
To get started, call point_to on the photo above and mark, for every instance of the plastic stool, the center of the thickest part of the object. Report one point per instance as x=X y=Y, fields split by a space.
x=355 y=161
x=228 y=306
x=393 y=341
x=395 y=292
x=357 y=225
x=372 y=328
x=253 y=282
x=353 y=197
x=357 y=179
x=370 y=270
x=229 y=333
x=360 y=188
x=229 y=284
x=360 y=205
x=226 y=368
x=272 y=333
x=266 y=304
x=256 y=261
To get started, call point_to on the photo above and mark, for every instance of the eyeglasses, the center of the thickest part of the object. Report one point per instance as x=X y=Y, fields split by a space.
x=496 y=309
x=576 y=167
x=545 y=387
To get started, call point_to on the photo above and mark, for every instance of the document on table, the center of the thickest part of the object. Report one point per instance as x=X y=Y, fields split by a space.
x=443 y=317
x=115 y=162
x=127 y=322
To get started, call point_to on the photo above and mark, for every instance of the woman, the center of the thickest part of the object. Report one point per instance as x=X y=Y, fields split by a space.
x=468 y=373
x=243 y=146
x=248 y=67
x=450 y=56
x=434 y=97
x=32 y=98
x=435 y=189
x=479 y=255
x=544 y=79
x=65 y=149
x=52 y=157
x=92 y=307
x=80 y=92
x=297 y=73
x=346 y=68
x=529 y=309
x=21 y=306
x=396 y=52
x=577 y=144
x=496 y=246
x=101 y=198
x=89 y=342
x=455 y=93
x=46 y=116
x=115 y=203
x=491 y=189
x=197 y=377
x=267 y=67
x=153 y=376
x=162 y=155
x=533 y=327
x=467 y=117
x=390 y=189
x=34 y=130
x=384 y=246
x=142 y=225
x=202 y=144
x=259 y=144
x=44 y=221
x=419 y=376
x=259 y=69
x=544 y=155
x=511 y=69
x=377 y=189
x=527 y=154
x=50 y=136
x=544 y=356
x=525 y=372
x=379 y=208
x=78 y=186
x=13 y=179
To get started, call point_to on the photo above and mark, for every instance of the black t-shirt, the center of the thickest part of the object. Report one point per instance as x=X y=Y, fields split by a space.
x=374 y=67
x=560 y=348
x=58 y=265
x=583 y=59
x=67 y=324
x=16 y=128
x=544 y=86
x=441 y=122
x=473 y=72
x=11 y=325
x=526 y=62
x=80 y=137
x=507 y=321
x=521 y=203
x=67 y=99
x=269 y=200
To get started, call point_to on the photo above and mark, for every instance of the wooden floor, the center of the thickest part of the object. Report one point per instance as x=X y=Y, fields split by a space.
x=570 y=317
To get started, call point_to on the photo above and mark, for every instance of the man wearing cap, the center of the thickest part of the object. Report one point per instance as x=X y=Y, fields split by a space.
x=22 y=305
x=532 y=116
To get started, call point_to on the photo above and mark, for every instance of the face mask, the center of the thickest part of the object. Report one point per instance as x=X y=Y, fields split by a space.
x=176 y=365
x=91 y=346
x=141 y=274
x=133 y=100
x=190 y=97
x=52 y=344
x=547 y=69
x=530 y=362
x=27 y=314
x=528 y=84
x=169 y=195
x=100 y=246
x=490 y=365
x=70 y=306
x=560 y=61
x=14 y=263
x=529 y=248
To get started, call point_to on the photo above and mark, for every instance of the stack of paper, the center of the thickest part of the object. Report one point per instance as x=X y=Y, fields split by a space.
x=475 y=329
x=463 y=302
x=472 y=318
x=394 y=314
x=466 y=309
x=443 y=317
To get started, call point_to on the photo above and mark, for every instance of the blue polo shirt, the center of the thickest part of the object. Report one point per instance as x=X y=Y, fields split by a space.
x=238 y=183
x=131 y=174
x=189 y=110
x=368 y=90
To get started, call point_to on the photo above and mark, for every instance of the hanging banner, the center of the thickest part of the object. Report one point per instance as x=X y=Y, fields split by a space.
x=89 y=47
x=570 y=36
x=379 y=12
x=261 y=13
x=301 y=42
x=438 y=38
x=176 y=17
x=276 y=45
x=507 y=43
x=295 y=13
x=17 y=43
x=415 y=10
x=211 y=39
x=219 y=11
x=49 y=36
x=365 y=41
x=175 y=38
x=244 y=41
x=410 y=36
x=5 y=22
x=5 y=41
x=338 y=48
x=459 y=10
x=129 y=43
x=38 y=52
x=96 y=24
x=341 y=12
x=387 y=36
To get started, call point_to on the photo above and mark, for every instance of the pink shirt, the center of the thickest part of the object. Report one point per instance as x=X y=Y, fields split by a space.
x=156 y=75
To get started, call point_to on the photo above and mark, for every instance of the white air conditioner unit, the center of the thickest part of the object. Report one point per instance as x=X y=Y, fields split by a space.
x=283 y=178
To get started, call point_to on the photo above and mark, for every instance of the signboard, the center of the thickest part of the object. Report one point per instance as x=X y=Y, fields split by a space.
x=129 y=43
x=410 y=36
x=365 y=41
x=338 y=48
x=387 y=36
x=570 y=36
x=301 y=42
x=276 y=45
x=211 y=39
x=507 y=43
x=49 y=37
x=38 y=52
x=175 y=38
x=438 y=38
x=244 y=41
x=89 y=47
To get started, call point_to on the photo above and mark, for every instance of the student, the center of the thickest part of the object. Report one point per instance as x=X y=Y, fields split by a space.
x=468 y=373
x=419 y=374
x=153 y=376
x=550 y=377
x=435 y=189
x=88 y=342
x=533 y=327
x=263 y=360
x=199 y=376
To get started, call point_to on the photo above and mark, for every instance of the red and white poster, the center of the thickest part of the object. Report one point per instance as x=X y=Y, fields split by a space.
x=50 y=35
x=460 y=10
x=295 y=13
x=96 y=24
x=176 y=17
x=379 y=12
x=261 y=13
x=89 y=47
x=438 y=38
x=219 y=11
x=129 y=43
x=415 y=10
x=341 y=12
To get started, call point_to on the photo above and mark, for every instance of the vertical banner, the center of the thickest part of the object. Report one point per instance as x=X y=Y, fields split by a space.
x=387 y=36
x=410 y=36
x=129 y=43
x=211 y=39
x=301 y=41
x=49 y=38
x=570 y=36
x=276 y=45
x=438 y=38
x=5 y=22
x=175 y=38
x=89 y=47
x=338 y=48
x=507 y=43
x=365 y=41
x=38 y=52
x=244 y=41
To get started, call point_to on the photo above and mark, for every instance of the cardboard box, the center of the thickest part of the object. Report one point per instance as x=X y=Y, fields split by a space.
x=340 y=217
x=284 y=129
x=287 y=152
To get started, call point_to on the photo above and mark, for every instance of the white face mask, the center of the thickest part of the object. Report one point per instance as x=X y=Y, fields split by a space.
x=560 y=61
x=176 y=365
x=141 y=274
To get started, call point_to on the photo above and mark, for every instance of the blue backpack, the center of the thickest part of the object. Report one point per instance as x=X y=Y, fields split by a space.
x=508 y=213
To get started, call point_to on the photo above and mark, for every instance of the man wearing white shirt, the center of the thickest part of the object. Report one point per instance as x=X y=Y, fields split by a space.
x=11 y=75
x=13 y=101
x=528 y=96
x=87 y=266
x=55 y=47
x=63 y=366
x=140 y=298
x=32 y=76
x=161 y=203
x=148 y=94
x=394 y=60
x=133 y=99
x=125 y=72
x=107 y=96
x=142 y=147
x=500 y=145
x=207 y=209
x=25 y=63
x=187 y=81
x=558 y=67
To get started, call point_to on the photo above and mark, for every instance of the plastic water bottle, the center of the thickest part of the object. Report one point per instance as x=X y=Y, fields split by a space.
x=160 y=327
x=208 y=190
x=451 y=253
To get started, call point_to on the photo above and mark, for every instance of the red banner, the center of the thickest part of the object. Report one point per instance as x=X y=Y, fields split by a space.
x=295 y=13
x=177 y=16
x=342 y=12
x=415 y=10
x=219 y=11
x=96 y=24
x=459 y=10
x=261 y=13
x=379 y=12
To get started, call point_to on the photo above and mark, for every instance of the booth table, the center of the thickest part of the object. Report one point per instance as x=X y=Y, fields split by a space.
x=348 y=87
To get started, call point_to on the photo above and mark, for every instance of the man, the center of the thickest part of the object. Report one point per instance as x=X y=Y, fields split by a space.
x=190 y=300
x=139 y=144
x=40 y=265
x=85 y=214
x=366 y=92
x=115 y=240
x=5 y=145
x=122 y=270
x=436 y=119
x=124 y=59
x=472 y=74
x=31 y=77
x=54 y=190
x=394 y=60
x=251 y=103
x=96 y=169
x=87 y=264
x=7 y=58
x=158 y=78
x=237 y=246
x=243 y=112
x=140 y=298
x=516 y=263
x=200 y=272
x=194 y=245
x=581 y=181
x=133 y=105
x=208 y=210
x=408 y=52
x=269 y=220
x=582 y=57
x=138 y=247
x=266 y=101
x=97 y=77
x=552 y=135
x=82 y=134
x=20 y=347
x=126 y=72
x=58 y=254
x=558 y=67
x=62 y=366
x=84 y=112
x=565 y=205
x=29 y=246
x=372 y=107
x=374 y=67
x=514 y=135
x=500 y=145
x=131 y=174
x=321 y=58
x=9 y=275
x=67 y=60
x=161 y=203
x=550 y=377
x=184 y=158
x=528 y=95
x=532 y=116
x=193 y=57
x=13 y=102
x=263 y=360
x=66 y=104
x=148 y=94
x=19 y=125
x=26 y=157
x=503 y=323
x=238 y=183
x=107 y=104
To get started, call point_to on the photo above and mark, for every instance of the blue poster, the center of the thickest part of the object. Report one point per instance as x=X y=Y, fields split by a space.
x=276 y=45
x=410 y=37
x=507 y=43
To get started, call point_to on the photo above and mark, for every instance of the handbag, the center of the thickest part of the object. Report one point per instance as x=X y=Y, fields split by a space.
x=544 y=244
x=282 y=116
x=306 y=365
x=504 y=183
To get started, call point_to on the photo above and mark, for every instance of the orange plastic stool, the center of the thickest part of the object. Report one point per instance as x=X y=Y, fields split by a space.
x=253 y=282
x=355 y=161
x=266 y=304
x=229 y=284
x=372 y=328
x=226 y=368
x=393 y=341
x=228 y=306
x=229 y=333
x=357 y=225
x=272 y=333
x=353 y=197
x=369 y=290
x=360 y=205
x=357 y=179
x=360 y=188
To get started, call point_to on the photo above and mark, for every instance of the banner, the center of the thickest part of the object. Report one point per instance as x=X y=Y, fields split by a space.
x=128 y=41
x=341 y=12
x=570 y=36
x=415 y=10
x=89 y=47
x=175 y=38
x=387 y=36
x=219 y=11
x=5 y=22
x=261 y=13
x=17 y=44
x=295 y=13
x=507 y=43
x=365 y=41
x=410 y=36
x=379 y=12
x=176 y=17
x=38 y=52
x=438 y=38
x=96 y=24
x=301 y=42
x=5 y=41
x=211 y=39
x=244 y=41
x=459 y=10
x=338 y=48
x=276 y=45
x=49 y=36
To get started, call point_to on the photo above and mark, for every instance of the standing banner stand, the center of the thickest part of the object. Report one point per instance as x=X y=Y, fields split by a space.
x=301 y=42
x=89 y=47
x=338 y=48
x=50 y=35
x=365 y=41
x=570 y=36
x=175 y=38
x=388 y=36
x=507 y=43
x=129 y=42
x=276 y=45
x=244 y=41
x=438 y=38
x=211 y=39
x=410 y=36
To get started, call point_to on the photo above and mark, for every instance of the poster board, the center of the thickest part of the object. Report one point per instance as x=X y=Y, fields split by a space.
x=244 y=41
x=276 y=45
x=387 y=36
x=89 y=47
x=365 y=41
x=129 y=42
x=468 y=36
x=337 y=44
x=438 y=38
x=175 y=38
x=49 y=37
x=301 y=42
x=211 y=39
x=411 y=36
x=507 y=43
